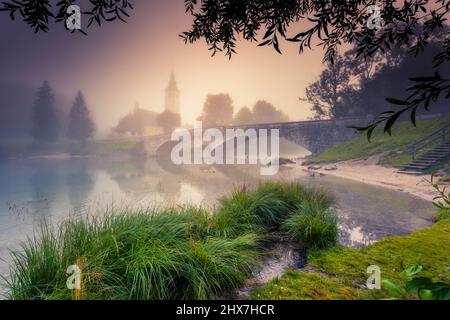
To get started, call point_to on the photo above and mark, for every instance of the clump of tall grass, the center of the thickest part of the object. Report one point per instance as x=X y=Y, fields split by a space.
x=175 y=253
x=265 y=207
x=147 y=255
x=313 y=226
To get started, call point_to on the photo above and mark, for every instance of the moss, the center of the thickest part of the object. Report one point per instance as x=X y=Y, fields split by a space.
x=345 y=268
x=296 y=285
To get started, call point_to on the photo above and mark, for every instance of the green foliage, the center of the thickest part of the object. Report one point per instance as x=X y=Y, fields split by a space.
x=422 y=287
x=174 y=253
x=144 y=255
x=346 y=267
x=313 y=226
x=441 y=201
x=423 y=92
x=394 y=149
x=442 y=214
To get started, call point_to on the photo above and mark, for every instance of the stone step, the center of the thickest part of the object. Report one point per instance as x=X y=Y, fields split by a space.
x=435 y=155
x=418 y=168
x=427 y=159
x=424 y=163
x=416 y=173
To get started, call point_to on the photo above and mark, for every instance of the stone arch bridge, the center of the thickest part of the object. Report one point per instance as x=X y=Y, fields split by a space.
x=314 y=135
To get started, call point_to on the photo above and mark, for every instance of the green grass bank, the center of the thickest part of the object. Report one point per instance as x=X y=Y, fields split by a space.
x=174 y=253
x=394 y=149
x=340 y=273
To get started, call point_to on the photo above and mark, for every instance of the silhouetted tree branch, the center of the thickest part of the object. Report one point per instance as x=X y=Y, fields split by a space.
x=38 y=13
x=329 y=24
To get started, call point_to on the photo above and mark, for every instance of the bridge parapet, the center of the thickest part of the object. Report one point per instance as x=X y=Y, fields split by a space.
x=315 y=135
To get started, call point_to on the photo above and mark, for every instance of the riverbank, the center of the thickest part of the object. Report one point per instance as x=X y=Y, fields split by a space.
x=171 y=253
x=369 y=171
x=341 y=273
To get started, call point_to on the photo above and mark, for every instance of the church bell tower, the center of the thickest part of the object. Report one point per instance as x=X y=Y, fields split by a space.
x=172 y=96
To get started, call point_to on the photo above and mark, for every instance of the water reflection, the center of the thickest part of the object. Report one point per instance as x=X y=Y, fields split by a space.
x=31 y=190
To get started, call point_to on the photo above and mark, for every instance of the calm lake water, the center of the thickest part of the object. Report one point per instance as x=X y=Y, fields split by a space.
x=53 y=190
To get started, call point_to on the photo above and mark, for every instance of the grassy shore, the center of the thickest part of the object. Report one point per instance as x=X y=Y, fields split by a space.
x=393 y=148
x=340 y=273
x=175 y=253
x=97 y=148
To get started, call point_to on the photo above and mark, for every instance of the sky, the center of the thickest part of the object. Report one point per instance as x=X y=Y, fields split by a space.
x=120 y=64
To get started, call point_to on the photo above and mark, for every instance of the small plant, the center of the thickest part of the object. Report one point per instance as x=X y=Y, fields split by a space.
x=422 y=288
x=441 y=201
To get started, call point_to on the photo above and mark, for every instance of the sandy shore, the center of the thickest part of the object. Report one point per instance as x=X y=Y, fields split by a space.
x=368 y=171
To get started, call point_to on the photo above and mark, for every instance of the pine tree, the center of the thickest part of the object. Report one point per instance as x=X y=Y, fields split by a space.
x=81 y=126
x=46 y=121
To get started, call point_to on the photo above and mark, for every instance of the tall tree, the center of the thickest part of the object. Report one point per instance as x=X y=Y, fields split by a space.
x=264 y=112
x=46 y=121
x=333 y=91
x=244 y=116
x=217 y=110
x=81 y=126
x=168 y=120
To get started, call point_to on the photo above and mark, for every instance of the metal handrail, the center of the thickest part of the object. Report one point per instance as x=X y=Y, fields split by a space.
x=438 y=134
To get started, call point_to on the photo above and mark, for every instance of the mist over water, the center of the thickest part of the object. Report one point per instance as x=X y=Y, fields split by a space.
x=34 y=190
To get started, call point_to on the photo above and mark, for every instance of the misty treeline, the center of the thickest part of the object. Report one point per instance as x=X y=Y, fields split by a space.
x=354 y=86
x=218 y=110
x=139 y=121
x=47 y=121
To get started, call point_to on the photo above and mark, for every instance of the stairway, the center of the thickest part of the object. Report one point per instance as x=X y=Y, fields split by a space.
x=427 y=160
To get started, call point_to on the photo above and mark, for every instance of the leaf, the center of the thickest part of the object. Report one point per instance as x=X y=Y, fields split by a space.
x=413 y=116
x=412 y=270
x=398 y=102
x=391 y=287
x=413 y=286
x=276 y=44
x=426 y=294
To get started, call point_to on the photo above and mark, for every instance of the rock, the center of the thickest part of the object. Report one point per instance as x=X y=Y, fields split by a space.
x=332 y=168
x=314 y=167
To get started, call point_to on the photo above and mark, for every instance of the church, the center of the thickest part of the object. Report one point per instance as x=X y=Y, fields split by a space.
x=172 y=96
x=143 y=122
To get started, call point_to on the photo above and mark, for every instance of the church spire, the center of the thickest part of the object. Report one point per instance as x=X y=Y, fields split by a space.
x=172 y=102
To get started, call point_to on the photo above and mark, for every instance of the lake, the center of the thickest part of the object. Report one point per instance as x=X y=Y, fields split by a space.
x=36 y=190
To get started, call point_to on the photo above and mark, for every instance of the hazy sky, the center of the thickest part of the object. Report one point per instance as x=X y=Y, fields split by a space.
x=119 y=64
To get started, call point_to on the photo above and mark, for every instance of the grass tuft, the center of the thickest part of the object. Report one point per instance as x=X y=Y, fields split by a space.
x=173 y=253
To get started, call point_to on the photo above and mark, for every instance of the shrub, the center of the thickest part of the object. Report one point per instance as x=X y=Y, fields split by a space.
x=313 y=226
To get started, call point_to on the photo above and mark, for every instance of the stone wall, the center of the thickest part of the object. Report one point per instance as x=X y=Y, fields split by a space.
x=316 y=136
